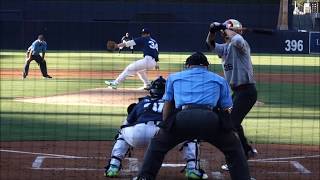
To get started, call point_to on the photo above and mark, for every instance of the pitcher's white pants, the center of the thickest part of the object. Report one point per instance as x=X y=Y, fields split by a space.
x=139 y=136
x=138 y=67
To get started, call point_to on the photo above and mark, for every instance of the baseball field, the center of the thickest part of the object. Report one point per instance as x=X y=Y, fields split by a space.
x=63 y=128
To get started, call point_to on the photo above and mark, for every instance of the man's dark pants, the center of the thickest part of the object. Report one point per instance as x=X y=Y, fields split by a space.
x=40 y=61
x=196 y=124
x=243 y=100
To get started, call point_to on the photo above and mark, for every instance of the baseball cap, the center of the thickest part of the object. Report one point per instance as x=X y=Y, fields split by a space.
x=197 y=58
x=145 y=31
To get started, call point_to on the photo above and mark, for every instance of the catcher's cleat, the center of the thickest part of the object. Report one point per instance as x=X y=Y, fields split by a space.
x=225 y=167
x=195 y=174
x=113 y=171
x=111 y=84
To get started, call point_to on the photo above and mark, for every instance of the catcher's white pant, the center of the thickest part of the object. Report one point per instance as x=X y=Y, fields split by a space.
x=139 y=136
x=138 y=67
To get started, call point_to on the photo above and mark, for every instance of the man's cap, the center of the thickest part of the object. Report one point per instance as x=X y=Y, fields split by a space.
x=197 y=58
x=145 y=31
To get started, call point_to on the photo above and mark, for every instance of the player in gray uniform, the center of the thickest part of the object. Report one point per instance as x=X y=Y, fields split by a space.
x=238 y=71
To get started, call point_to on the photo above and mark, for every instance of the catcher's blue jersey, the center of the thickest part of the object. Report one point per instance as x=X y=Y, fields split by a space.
x=146 y=110
x=149 y=46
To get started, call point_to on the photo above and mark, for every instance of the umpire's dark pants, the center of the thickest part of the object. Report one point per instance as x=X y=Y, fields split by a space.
x=40 y=61
x=192 y=124
x=244 y=97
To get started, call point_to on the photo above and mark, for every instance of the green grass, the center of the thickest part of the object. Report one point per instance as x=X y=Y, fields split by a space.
x=102 y=61
x=290 y=114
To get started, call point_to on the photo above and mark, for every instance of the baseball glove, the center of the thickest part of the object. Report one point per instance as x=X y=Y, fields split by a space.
x=111 y=45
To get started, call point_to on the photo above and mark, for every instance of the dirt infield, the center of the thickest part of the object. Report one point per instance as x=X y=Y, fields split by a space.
x=91 y=97
x=312 y=78
x=86 y=159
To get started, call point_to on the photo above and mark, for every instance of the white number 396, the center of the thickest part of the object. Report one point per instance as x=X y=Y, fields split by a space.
x=294 y=45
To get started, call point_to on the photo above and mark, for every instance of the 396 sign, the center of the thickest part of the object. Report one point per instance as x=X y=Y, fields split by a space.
x=293 y=45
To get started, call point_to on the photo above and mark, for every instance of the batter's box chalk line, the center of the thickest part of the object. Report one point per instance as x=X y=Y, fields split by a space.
x=133 y=163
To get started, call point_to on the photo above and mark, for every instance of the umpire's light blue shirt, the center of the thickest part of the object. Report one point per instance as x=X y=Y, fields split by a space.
x=197 y=85
x=38 y=47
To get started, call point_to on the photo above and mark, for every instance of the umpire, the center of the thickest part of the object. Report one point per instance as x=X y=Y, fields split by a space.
x=33 y=53
x=190 y=99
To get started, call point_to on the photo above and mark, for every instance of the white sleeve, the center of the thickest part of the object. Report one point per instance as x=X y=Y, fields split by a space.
x=219 y=49
x=130 y=43
x=238 y=41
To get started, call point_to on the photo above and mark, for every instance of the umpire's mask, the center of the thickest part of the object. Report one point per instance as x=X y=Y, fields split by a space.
x=157 y=87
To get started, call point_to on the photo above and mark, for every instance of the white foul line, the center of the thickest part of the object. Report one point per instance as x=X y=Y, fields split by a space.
x=284 y=158
x=42 y=154
x=133 y=162
x=300 y=168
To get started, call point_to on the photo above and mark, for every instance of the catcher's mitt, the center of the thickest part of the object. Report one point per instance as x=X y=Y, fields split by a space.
x=111 y=45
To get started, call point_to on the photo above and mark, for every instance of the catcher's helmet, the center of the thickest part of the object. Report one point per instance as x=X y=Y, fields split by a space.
x=157 y=87
x=232 y=23
x=197 y=58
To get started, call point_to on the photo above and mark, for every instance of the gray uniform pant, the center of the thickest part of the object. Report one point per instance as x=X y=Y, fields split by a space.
x=40 y=61
x=196 y=124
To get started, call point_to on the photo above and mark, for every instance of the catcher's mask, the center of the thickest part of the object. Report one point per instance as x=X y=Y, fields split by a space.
x=157 y=87
x=197 y=58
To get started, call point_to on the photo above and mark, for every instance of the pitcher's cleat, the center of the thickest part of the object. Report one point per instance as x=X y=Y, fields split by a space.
x=145 y=87
x=111 y=84
x=195 y=174
x=113 y=171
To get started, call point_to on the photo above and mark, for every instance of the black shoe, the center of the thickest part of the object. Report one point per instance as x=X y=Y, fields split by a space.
x=24 y=76
x=48 y=77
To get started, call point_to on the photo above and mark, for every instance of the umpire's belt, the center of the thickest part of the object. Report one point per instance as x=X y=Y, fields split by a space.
x=197 y=106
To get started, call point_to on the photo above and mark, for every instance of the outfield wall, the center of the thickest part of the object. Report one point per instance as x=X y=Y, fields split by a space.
x=87 y=25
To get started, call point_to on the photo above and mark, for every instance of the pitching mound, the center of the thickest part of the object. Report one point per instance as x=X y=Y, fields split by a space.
x=92 y=97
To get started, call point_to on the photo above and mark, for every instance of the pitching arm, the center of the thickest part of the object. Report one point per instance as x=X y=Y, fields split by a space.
x=127 y=44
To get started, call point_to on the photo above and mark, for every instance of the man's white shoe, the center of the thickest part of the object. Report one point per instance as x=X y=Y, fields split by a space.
x=111 y=84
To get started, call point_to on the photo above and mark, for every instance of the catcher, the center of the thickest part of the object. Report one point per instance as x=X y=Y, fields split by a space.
x=141 y=125
x=139 y=67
